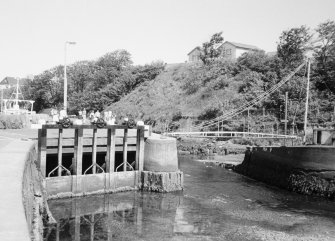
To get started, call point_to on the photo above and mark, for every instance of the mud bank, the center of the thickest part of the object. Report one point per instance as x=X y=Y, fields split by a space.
x=308 y=170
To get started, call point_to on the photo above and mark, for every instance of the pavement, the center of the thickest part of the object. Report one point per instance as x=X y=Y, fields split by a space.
x=13 y=154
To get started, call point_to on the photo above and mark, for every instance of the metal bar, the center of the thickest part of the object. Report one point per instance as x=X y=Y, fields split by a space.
x=94 y=151
x=125 y=149
x=60 y=151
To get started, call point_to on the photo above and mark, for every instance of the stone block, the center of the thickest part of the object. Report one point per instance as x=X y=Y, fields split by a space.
x=162 y=181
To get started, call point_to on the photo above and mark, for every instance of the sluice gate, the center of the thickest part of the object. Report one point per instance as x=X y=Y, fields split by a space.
x=97 y=177
x=84 y=159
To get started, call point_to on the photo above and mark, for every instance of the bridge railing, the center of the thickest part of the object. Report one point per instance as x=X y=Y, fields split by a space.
x=232 y=134
x=78 y=144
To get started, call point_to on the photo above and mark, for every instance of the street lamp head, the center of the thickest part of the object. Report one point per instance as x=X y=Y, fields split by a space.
x=70 y=42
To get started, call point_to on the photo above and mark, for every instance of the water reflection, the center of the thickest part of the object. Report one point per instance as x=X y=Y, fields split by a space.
x=216 y=205
x=119 y=216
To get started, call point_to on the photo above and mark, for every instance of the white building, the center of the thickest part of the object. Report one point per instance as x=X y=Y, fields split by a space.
x=230 y=50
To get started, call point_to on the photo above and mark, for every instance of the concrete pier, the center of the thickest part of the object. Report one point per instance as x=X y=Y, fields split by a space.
x=160 y=154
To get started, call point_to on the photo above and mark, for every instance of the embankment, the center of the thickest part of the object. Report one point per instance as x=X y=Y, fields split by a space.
x=208 y=147
x=307 y=169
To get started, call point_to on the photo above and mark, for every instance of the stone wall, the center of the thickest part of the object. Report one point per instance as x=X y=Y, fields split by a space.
x=34 y=196
x=162 y=181
x=309 y=169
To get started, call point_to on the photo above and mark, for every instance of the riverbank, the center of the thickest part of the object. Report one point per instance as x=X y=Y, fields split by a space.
x=308 y=170
x=210 y=147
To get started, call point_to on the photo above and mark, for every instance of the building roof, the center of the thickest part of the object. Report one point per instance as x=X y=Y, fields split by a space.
x=242 y=46
x=196 y=48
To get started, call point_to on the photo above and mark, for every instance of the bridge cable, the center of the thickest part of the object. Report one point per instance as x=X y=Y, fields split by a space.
x=247 y=105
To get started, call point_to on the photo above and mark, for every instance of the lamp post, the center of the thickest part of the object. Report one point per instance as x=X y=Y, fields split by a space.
x=65 y=77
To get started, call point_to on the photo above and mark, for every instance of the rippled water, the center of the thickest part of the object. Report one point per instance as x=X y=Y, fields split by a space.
x=216 y=204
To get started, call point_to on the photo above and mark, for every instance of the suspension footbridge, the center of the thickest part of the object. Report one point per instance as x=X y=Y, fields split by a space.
x=204 y=129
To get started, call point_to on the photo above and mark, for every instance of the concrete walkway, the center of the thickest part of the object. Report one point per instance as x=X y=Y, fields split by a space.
x=12 y=162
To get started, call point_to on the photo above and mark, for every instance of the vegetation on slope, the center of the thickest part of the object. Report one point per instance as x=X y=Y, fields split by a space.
x=207 y=90
x=166 y=95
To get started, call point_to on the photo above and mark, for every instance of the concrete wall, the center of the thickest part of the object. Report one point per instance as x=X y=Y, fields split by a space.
x=83 y=185
x=194 y=56
x=307 y=169
x=161 y=174
x=160 y=154
x=239 y=52
x=324 y=137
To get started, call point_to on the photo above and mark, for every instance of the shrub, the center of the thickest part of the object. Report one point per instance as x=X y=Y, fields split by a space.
x=13 y=121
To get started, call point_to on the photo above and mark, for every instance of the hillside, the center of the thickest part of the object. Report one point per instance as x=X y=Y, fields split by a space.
x=164 y=99
x=204 y=92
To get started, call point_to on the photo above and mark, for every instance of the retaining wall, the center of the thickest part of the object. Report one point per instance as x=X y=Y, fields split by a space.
x=307 y=169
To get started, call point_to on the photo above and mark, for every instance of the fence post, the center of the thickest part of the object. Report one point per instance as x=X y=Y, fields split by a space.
x=42 y=150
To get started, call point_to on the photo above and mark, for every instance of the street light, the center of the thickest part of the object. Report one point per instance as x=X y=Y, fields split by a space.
x=65 y=77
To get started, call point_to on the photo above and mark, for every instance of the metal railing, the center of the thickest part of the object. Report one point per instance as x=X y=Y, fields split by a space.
x=232 y=134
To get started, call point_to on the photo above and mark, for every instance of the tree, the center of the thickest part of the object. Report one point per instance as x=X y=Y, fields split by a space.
x=80 y=74
x=325 y=57
x=109 y=67
x=211 y=50
x=292 y=45
x=90 y=100
x=47 y=89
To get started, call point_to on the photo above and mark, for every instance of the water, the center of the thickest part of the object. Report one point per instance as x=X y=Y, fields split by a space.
x=216 y=204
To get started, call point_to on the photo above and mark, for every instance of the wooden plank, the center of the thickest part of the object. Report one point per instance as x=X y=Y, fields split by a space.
x=125 y=149
x=94 y=151
x=42 y=150
x=110 y=156
x=60 y=153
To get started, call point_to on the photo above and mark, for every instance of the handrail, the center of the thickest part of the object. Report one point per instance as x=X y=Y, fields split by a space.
x=231 y=134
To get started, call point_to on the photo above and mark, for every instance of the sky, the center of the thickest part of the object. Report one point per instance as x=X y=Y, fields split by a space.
x=34 y=32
